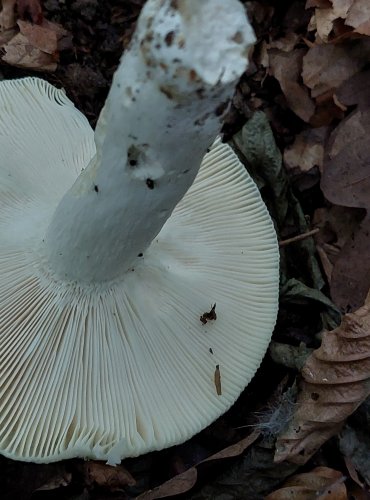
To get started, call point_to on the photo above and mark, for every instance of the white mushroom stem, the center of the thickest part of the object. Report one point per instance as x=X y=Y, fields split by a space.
x=163 y=111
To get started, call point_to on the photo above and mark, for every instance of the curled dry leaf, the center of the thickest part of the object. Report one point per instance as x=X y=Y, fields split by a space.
x=336 y=380
x=321 y=483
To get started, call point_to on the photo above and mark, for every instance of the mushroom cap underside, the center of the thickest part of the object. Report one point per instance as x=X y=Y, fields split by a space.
x=112 y=370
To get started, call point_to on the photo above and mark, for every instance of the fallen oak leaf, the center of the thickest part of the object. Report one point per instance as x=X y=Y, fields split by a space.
x=19 y=53
x=184 y=482
x=40 y=37
x=36 y=46
x=336 y=380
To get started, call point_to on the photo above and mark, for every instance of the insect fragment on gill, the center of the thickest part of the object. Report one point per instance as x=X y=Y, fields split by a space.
x=209 y=316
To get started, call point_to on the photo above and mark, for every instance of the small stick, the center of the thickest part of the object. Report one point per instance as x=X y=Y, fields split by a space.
x=299 y=237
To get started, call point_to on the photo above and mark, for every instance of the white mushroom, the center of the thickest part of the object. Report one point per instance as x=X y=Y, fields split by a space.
x=105 y=273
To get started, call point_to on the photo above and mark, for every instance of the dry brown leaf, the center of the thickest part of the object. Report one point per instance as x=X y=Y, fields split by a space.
x=324 y=22
x=56 y=482
x=323 y=4
x=336 y=380
x=111 y=478
x=326 y=67
x=286 y=68
x=346 y=182
x=36 y=46
x=19 y=53
x=337 y=226
x=7 y=14
x=359 y=17
x=356 y=90
x=30 y=9
x=327 y=13
x=351 y=272
x=39 y=37
x=307 y=151
x=187 y=480
x=340 y=19
x=285 y=43
x=321 y=483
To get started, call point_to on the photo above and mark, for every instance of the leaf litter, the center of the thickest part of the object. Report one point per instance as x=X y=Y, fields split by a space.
x=299 y=121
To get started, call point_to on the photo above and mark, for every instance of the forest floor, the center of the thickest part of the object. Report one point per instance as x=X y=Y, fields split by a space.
x=300 y=121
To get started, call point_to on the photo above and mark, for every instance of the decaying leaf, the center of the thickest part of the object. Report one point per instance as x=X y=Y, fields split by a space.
x=337 y=19
x=30 y=9
x=286 y=68
x=36 y=46
x=111 y=478
x=346 y=182
x=336 y=380
x=56 y=482
x=7 y=14
x=184 y=482
x=321 y=483
x=307 y=151
x=337 y=225
x=20 y=53
x=359 y=17
x=326 y=67
x=354 y=443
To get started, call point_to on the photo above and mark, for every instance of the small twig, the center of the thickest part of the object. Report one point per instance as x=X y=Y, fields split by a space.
x=299 y=237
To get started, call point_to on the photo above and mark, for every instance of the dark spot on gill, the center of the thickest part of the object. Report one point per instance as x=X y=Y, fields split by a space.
x=150 y=183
